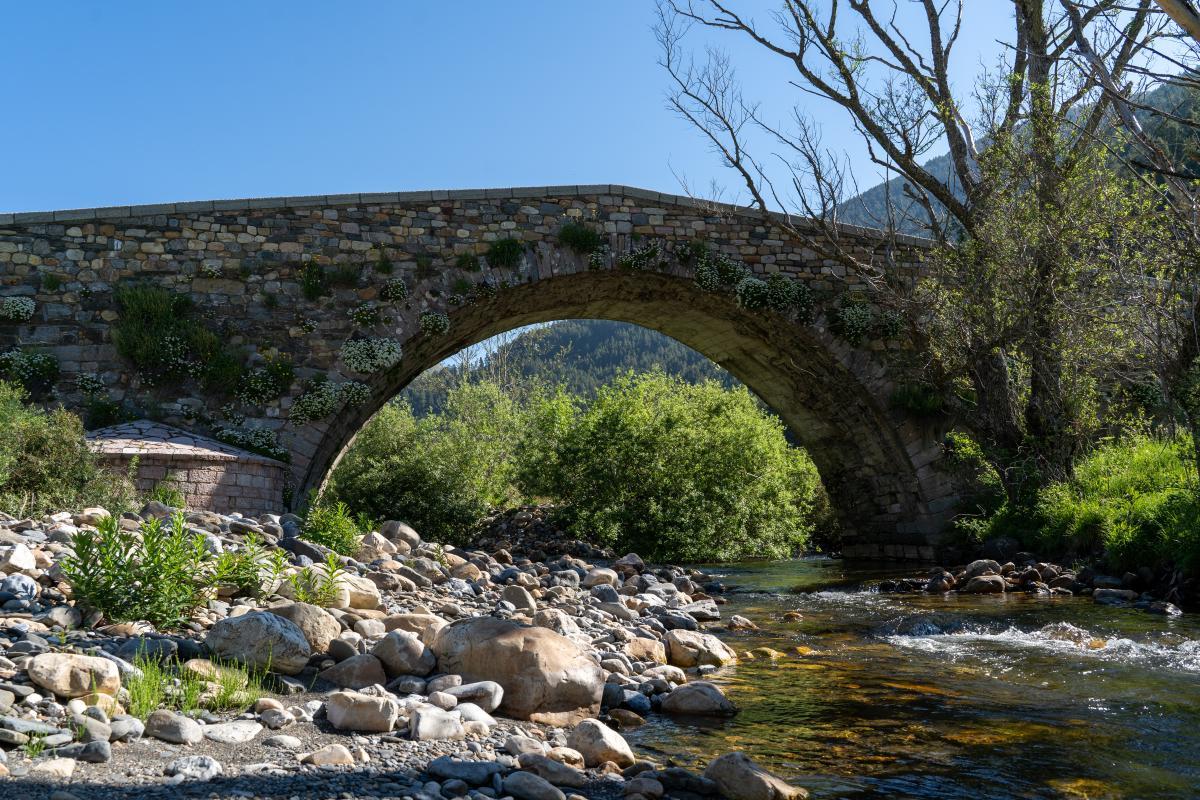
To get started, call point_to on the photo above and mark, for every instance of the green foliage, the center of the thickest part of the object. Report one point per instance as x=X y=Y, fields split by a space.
x=579 y=237
x=35 y=372
x=319 y=586
x=157 y=335
x=322 y=396
x=441 y=473
x=434 y=323
x=251 y=569
x=462 y=286
x=332 y=525
x=641 y=258
x=158 y=685
x=263 y=441
x=365 y=315
x=468 y=262
x=752 y=293
x=46 y=465
x=505 y=253
x=921 y=399
x=49 y=281
x=157 y=576
x=267 y=383
x=1135 y=501
x=168 y=492
x=313 y=282
x=681 y=472
x=383 y=264
x=853 y=321
x=394 y=290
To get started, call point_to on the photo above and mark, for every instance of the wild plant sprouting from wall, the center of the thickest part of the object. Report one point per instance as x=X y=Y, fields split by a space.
x=370 y=355
x=434 y=323
x=17 y=309
x=323 y=396
x=394 y=291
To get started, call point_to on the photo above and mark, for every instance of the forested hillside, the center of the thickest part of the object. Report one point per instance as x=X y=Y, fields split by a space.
x=580 y=354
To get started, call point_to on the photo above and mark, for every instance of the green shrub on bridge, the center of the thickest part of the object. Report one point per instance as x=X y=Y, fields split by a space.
x=156 y=333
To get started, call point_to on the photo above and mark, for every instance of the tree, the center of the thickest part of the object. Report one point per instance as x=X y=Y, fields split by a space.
x=1041 y=111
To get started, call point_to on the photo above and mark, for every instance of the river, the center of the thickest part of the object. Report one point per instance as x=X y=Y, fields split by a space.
x=974 y=696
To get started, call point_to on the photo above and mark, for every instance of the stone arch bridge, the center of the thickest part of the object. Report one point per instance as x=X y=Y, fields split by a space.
x=300 y=276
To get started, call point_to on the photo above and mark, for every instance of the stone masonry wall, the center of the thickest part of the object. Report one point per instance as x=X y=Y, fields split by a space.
x=242 y=263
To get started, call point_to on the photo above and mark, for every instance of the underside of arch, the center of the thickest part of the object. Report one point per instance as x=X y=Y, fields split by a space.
x=833 y=399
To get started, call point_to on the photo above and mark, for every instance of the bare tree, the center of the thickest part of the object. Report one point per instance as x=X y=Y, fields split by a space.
x=1023 y=141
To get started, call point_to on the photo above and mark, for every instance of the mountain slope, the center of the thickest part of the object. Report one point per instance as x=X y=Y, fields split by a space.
x=580 y=355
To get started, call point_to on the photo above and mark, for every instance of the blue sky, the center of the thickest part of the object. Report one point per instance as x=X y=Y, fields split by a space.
x=142 y=102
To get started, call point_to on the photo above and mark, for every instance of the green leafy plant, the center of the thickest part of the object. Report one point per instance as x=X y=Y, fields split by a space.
x=753 y=293
x=334 y=526
x=17 y=309
x=36 y=372
x=468 y=262
x=263 y=441
x=158 y=576
x=35 y=746
x=383 y=264
x=641 y=258
x=580 y=237
x=505 y=253
x=313 y=281
x=853 y=320
x=268 y=382
x=319 y=586
x=46 y=465
x=918 y=398
x=365 y=315
x=50 y=282
x=394 y=290
x=156 y=333
x=424 y=263
x=434 y=323
x=168 y=492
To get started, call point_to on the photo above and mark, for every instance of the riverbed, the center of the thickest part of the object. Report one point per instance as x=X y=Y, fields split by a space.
x=973 y=696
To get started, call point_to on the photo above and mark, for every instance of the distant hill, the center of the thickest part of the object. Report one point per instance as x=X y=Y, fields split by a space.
x=579 y=354
x=870 y=208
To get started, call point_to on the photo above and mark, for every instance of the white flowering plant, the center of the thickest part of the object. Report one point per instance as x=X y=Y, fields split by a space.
x=257 y=440
x=17 y=309
x=323 y=397
x=434 y=323
x=370 y=355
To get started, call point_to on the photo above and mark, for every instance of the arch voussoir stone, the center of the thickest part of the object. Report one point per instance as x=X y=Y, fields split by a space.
x=244 y=264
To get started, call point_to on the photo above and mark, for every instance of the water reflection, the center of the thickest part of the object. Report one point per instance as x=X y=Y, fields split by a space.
x=909 y=696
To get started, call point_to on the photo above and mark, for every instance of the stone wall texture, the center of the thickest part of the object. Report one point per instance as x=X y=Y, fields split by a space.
x=242 y=264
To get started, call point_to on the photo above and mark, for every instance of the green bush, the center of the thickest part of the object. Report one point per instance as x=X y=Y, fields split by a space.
x=682 y=472
x=333 y=526
x=45 y=463
x=168 y=492
x=159 y=575
x=35 y=372
x=1133 y=501
x=440 y=473
x=156 y=334
x=504 y=253
x=580 y=238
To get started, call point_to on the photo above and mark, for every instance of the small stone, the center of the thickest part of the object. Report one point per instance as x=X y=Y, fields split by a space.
x=237 y=732
x=174 y=728
x=194 y=768
x=527 y=786
x=331 y=755
x=599 y=743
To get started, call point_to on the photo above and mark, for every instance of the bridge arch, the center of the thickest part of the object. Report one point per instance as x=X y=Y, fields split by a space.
x=244 y=265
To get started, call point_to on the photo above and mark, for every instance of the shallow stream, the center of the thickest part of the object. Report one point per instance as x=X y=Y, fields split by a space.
x=973 y=696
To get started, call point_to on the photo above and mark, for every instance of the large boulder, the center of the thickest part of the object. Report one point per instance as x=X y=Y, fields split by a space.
x=424 y=626
x=739 y=778
x=985 y=584
x=599 y=743
x=546 y=677
x=260 y=640
x=403 y=653
x=318 y=625
x=699 y=698
x=353 y=711
x=398 y=531
x=692 y=649
x=72 y=675
x=356 y=672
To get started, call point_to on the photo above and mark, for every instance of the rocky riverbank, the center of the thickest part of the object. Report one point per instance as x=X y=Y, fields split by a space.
x=1025 y=573
x=428 y=672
